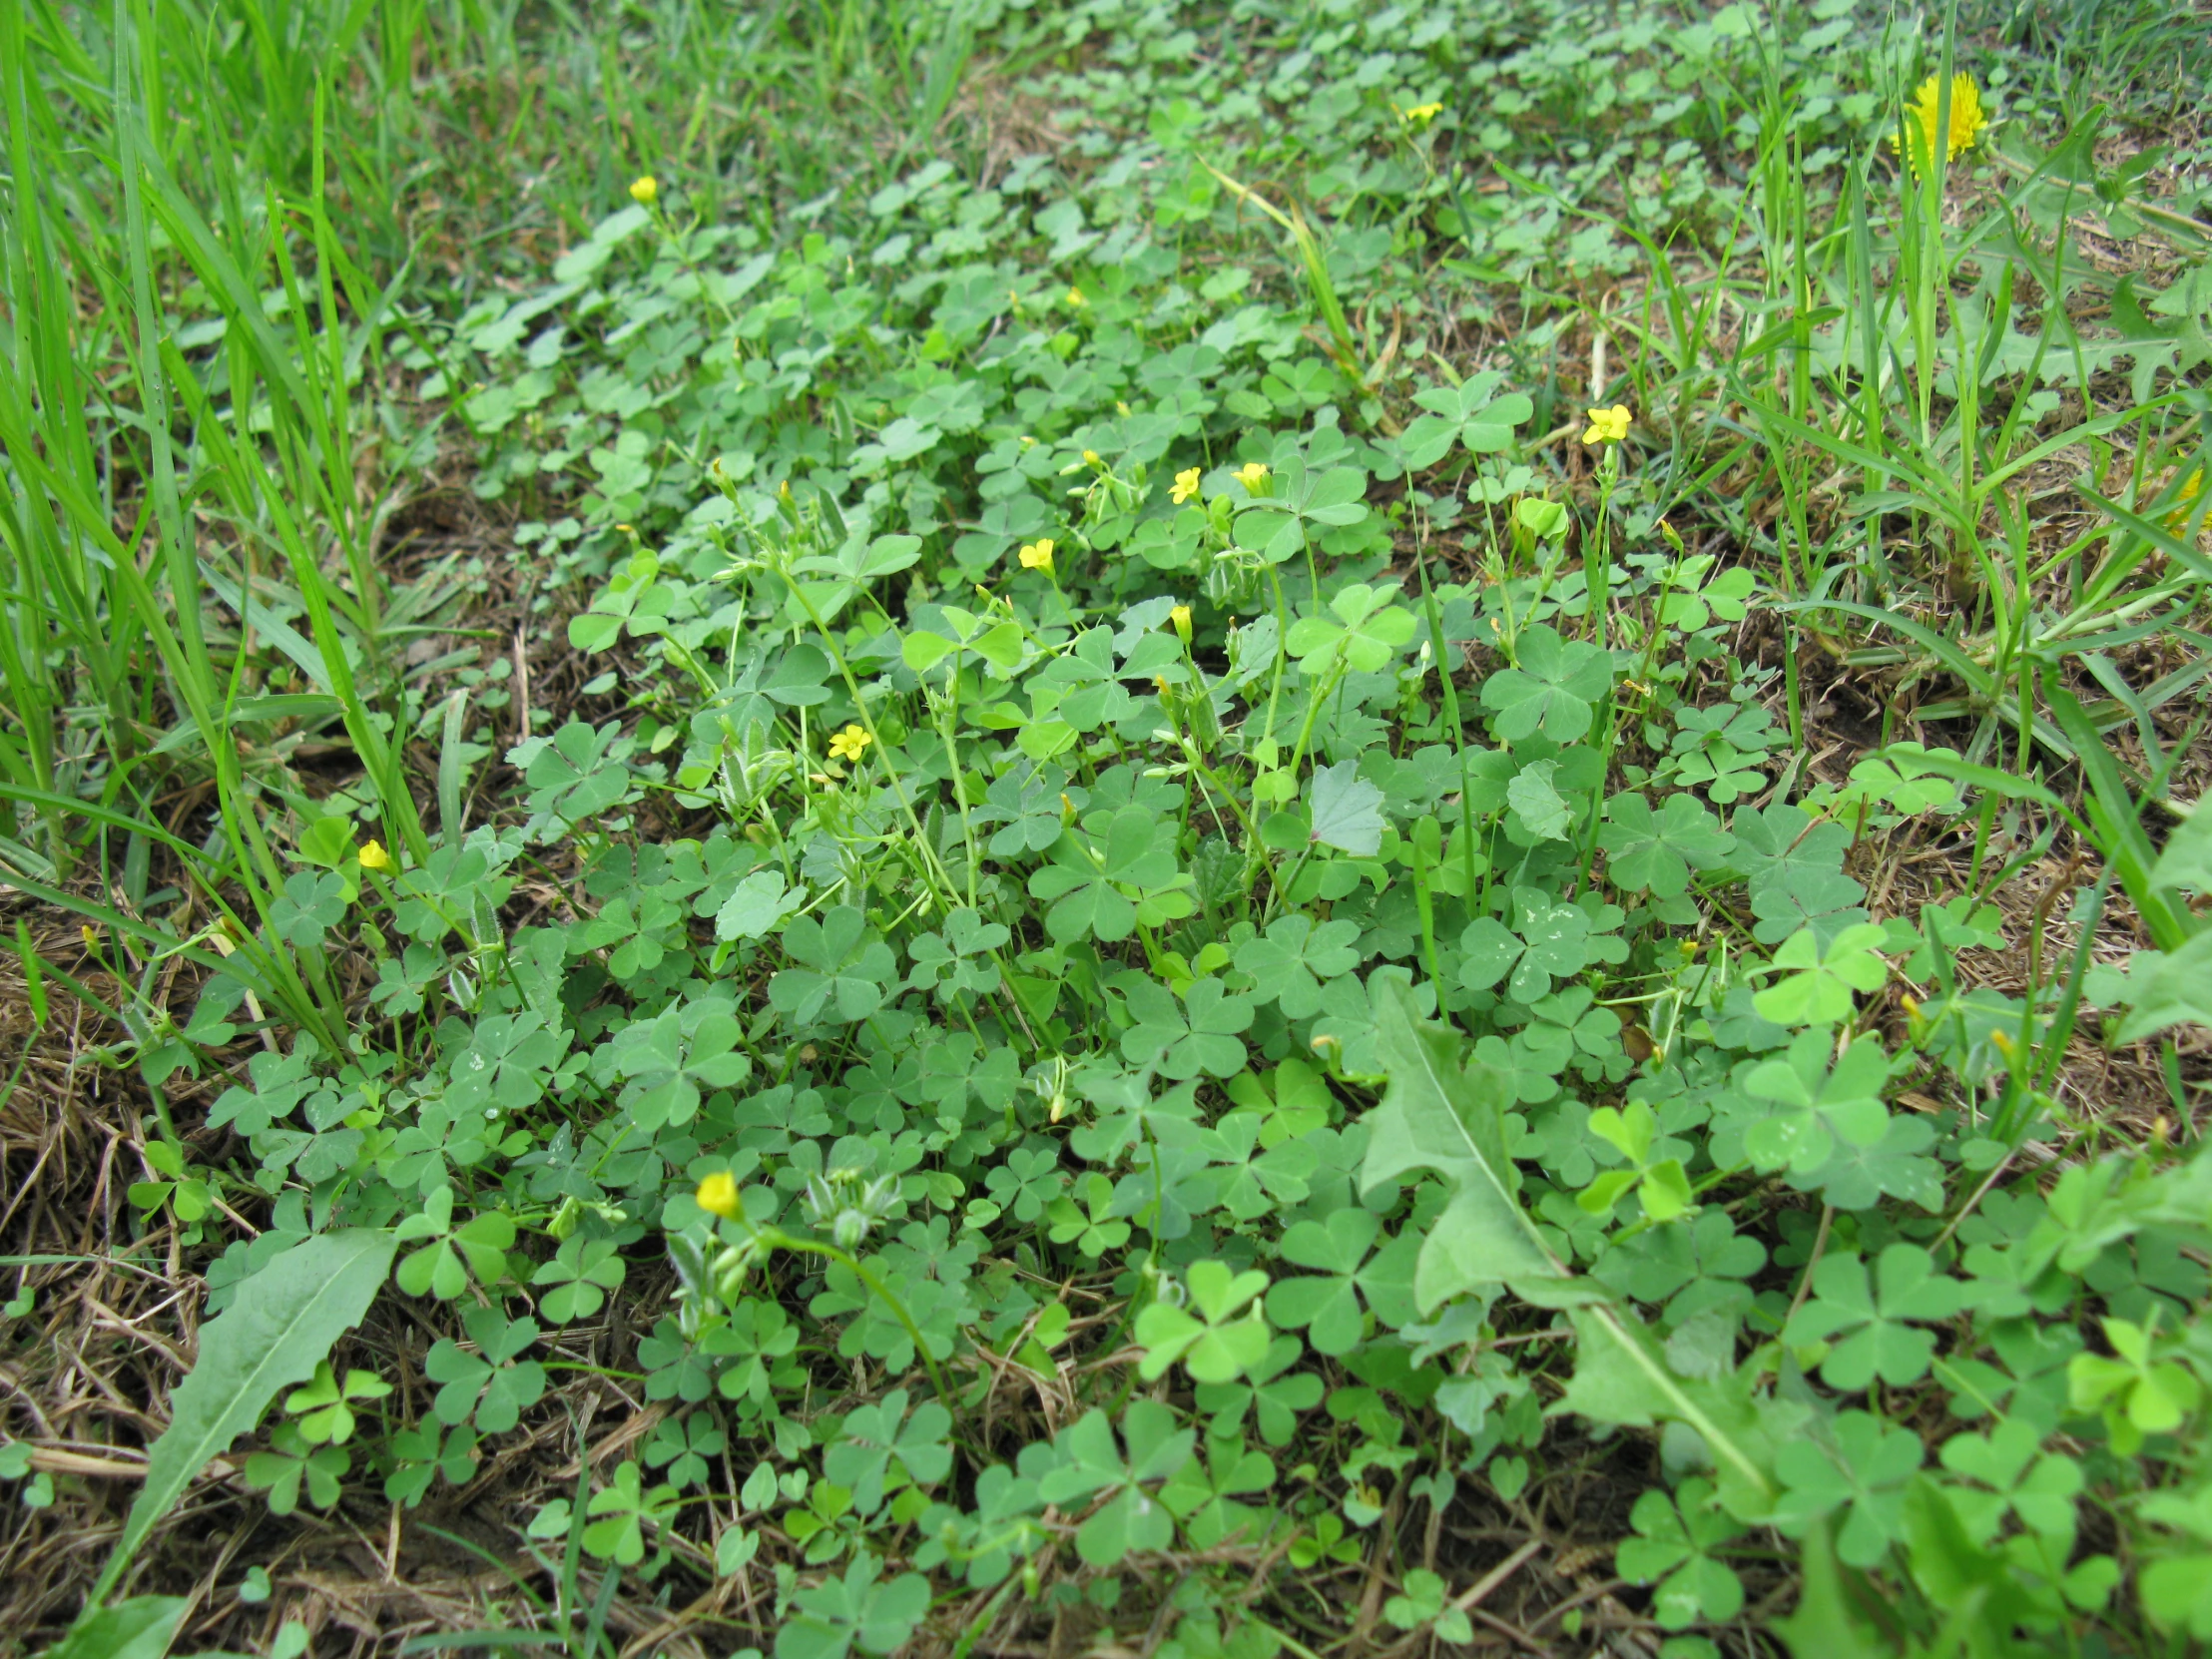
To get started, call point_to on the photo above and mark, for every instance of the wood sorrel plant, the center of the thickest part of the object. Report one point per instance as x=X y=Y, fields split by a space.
x=1250 y=996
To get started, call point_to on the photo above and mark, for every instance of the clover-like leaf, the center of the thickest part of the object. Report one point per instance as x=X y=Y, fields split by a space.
x=1215 y=1338
x=1655 y=852
x=1360 y=627
x=845 y=971
x=1470 y=414
x=1326 y=1307
x=1552 y=686
x=1293 y=956
x=1872 y=1319
x=1676 y=1536
x=1199 y=1034
x=1816 y=1108
x=1085 y=1460
x=1860 y=1469
x=1819 y=982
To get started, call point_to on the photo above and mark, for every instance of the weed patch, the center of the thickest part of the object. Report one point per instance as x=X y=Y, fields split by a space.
x=1101 y=827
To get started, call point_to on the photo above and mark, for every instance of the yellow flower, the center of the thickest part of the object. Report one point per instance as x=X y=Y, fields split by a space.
x=1091 y=458
x=644 y=190
x=1925 y=113
x=2186 y=501
x=1180 y=620
x=1037 y=555
x=1076 y=300
x=1186 y=486
x=718 y=1195
x=1608 y=425
x=1252 y=475
x=374 y=856
x=847 y=744
x=1421 y=115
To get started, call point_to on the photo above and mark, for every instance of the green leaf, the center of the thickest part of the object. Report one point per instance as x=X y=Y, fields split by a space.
x=1469 y=413
x=1820 y=989
x=140 y=1628
x=2187 y=859
x=1552 y=686
x=2178 y=991
x=1826 y=1624
x=1441 y=1115
x=1622 y=1377
x=1213 y=1343
x=280 y=1324
x=1534 y=795
x=1294 y=957
x=1347 y=810
x=1818 y=1109
x=1655 y=852
x=1871 y=1318
x=757 y=907
x=1859 y=1467
x=1090 y=1463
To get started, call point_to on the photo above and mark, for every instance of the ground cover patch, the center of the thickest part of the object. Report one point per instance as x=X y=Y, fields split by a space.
x=1105 y=829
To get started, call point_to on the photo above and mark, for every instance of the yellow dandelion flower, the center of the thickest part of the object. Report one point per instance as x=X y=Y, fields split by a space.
x=1037 y=555
x=1186 y=486
x=1180 y=620
x=1252 y=475
x=848 y=744
x=374 y=856
x=2185 y=503
x=1608 y=425
x=644 y=189
x=1923 y=116
x=718 y=1195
